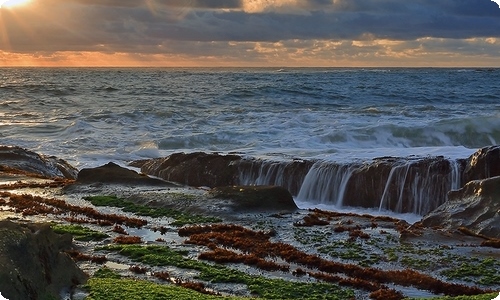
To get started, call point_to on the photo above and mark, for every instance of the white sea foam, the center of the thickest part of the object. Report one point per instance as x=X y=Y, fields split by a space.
x=334 y=114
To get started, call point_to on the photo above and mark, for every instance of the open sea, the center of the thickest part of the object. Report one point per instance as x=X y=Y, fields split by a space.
x=90 y=116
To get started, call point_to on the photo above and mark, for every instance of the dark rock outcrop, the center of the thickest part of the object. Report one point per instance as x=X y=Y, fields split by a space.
x=476 y=207
x=194 y=169
x=484 y=163
x=415 y=185
x=287 y=174
x=411 y=184
x=256 y=198
x=115 y=174
x=16 y=159
x=33 y=264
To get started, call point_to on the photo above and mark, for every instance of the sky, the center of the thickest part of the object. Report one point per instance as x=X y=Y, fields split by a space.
x=250 y=33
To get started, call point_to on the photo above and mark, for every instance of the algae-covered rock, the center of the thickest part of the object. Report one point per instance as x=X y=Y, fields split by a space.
x=256 y=198
x=33 y=264
x=17 y=159
x=476 y=207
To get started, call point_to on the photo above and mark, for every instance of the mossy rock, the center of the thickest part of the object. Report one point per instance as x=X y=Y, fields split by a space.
x=33 y=264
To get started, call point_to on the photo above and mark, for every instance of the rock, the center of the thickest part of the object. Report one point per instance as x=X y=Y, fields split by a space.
x=476 y=207
x=113 y=173
x=287 y=174
x=33 y=264
x=403 y=185
x=194 y=169
x=256 y=198
x=400 y=184
x=16 y=159
x=484 y=163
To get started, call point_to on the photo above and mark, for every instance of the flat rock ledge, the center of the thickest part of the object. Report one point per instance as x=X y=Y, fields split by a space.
x=33 y=264
x=15 y=159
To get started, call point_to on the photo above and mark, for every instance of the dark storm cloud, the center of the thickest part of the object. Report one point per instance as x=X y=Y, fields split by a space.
x=212 y=4
x=144 y=25
x=348 y=20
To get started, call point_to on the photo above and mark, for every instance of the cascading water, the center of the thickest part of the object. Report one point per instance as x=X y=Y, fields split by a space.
x=264 y=173
x=326 y=183
x=288 y=174
x=401 y=185
x=416 y=188
x=397 y=175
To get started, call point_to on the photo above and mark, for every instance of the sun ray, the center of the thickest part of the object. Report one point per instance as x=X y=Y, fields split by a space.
x=12 y=3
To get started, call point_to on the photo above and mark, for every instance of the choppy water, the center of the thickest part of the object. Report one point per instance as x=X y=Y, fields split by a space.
x=91 y=116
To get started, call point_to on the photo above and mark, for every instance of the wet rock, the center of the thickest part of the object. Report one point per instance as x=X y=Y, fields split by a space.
x=194 y=169
x=484 y=163
x=16 y=159
x=287 y=174
x=409 y=184
x=405 y=185
x=113 y=173
x=256 y=198
x=33 y=264
x=476 y=207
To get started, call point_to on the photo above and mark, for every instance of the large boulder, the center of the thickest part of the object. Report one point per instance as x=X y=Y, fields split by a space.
x=194 y=169
x=256 y=198
x=33 y=264
x=15 y=159
x=476 y=207
x=484 y=163
x=115 y=174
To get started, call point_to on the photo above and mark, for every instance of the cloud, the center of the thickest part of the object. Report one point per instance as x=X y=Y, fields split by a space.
x=249 y=29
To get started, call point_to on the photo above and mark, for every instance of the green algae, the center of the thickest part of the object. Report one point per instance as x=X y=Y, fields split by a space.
x=79 y=233
x=258 y=285
x=180 y=218
x=350 y=250
x=119 y=289
x=485 y=272
x=465 y=297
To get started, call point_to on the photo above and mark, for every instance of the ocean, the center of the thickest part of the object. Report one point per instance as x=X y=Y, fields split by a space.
x=90 y=116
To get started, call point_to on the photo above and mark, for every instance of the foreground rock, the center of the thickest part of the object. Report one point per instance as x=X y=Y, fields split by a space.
x=33 y=264
x=113 y=173
x=16 y=159
x=256 y=198
x=282 y=254
x=476 y=207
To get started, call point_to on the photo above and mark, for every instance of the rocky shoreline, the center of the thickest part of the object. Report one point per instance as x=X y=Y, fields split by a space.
x=227 y=239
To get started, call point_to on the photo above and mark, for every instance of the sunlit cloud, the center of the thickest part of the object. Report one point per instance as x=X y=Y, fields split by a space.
x=250 y=32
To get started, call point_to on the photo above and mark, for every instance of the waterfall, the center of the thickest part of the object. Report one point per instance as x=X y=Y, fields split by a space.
x=326 y=183
x=288 y=174
x=403 y=185
x=420 y=188
x=397 y=177
x=456 y=175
